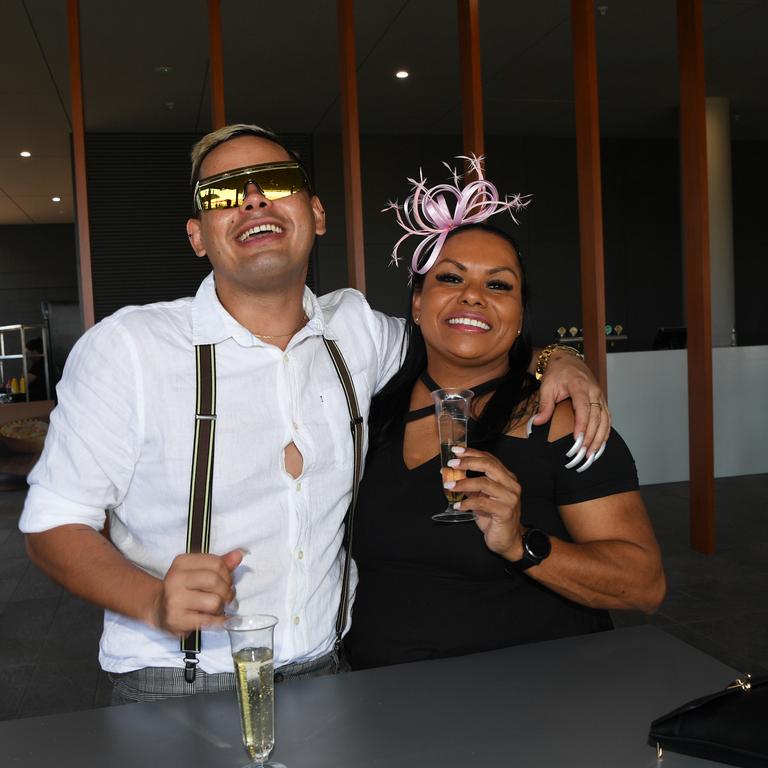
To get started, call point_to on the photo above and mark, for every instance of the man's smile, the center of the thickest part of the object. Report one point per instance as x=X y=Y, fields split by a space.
x=258 y=230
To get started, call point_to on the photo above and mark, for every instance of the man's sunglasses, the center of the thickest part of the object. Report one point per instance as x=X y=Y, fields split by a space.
x=228 y=190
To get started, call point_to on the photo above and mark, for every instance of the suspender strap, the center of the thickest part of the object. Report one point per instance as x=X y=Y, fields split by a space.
x=201 y=483
x=357 y=426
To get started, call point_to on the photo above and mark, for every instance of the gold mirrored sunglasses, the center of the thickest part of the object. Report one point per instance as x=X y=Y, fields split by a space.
x=228 y=190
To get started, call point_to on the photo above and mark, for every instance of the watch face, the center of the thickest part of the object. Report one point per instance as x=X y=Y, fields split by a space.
x=537 y=544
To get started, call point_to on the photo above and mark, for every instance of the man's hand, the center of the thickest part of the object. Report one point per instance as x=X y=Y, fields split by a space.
x=194 y=592
x=568 y=376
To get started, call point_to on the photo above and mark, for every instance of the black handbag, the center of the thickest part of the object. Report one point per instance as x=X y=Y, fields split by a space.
x=730 y=726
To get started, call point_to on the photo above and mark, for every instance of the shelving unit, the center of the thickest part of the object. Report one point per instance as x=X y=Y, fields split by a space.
x=578 y=341
x=24 y=332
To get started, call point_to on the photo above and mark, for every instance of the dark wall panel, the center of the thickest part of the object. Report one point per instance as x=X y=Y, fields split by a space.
x=138 y=203
x=643 y=248
x=750 y=239
x=641 y=214
x=37 y=263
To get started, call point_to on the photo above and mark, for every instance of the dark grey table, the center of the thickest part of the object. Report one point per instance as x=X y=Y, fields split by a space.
x=584 y=701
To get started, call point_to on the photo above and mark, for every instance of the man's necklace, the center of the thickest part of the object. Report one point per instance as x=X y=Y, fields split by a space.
x=304 y=321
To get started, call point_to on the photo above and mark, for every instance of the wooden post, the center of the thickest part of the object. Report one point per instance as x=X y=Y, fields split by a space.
x=350 y=139
x=78 y=159
x=218 y=118
x=590 y=186
x=698 y=295
x=471 y=78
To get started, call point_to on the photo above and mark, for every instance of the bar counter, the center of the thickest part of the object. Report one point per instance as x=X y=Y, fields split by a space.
x=583 y=701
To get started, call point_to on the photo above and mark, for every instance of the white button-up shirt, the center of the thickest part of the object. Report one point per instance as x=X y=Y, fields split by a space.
x=121 y=440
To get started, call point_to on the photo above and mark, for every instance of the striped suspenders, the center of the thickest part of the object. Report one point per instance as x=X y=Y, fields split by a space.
x=201 y=484
x=357 y=427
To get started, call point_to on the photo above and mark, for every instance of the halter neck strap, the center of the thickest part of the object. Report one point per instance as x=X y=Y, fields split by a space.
x=432 y=385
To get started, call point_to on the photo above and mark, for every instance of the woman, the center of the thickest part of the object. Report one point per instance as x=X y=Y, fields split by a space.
x=550 y=550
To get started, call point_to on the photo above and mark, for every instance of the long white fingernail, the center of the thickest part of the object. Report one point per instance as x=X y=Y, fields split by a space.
x=576 y=445
x=529 y=426
x=457 y=505
x=458 y=449
x=588 y=463
x=453 y=463
x=576 y=459
x=449 y=485
x=600 y=451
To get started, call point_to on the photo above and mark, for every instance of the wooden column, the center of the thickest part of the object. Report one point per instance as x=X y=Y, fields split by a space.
x=78 y=160
x=590 y=186
x=216 y=54
x=471 y=78
x=698 y=296
x=350 y=139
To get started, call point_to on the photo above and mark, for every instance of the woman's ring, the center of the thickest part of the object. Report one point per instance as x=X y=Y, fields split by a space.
x=599 y=405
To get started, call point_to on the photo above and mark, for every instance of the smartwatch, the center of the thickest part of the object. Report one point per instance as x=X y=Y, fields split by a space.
x=536 y=547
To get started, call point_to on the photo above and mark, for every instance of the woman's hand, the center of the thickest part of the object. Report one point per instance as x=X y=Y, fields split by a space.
x=568 y=376
x=494 y=497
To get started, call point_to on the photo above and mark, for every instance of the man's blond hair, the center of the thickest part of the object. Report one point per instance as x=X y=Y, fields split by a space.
x=212 y=140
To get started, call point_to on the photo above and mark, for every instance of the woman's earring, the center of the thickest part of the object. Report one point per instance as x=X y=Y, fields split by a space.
x=416 y=319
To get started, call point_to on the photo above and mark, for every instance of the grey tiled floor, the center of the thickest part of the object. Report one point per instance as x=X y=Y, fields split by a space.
x=49 y=639
x=720 y=603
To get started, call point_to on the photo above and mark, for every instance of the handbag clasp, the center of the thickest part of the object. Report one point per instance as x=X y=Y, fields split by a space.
x=745 y=683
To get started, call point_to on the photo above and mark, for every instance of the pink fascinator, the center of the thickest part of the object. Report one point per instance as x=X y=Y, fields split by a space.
x=427 y=212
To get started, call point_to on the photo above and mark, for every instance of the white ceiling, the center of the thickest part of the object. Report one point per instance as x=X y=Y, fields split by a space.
x=281 y=70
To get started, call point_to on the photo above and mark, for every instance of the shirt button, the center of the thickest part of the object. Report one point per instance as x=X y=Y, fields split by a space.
x=298 y=486
x=295 y=425
x=296 y=619
x=300 y=554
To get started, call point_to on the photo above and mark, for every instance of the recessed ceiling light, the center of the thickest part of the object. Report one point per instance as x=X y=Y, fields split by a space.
x=56 y=199
x=164 y=69
x=401 y=74
x=25 y=153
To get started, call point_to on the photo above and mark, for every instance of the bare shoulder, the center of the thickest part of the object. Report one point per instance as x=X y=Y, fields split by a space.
x=562 y=421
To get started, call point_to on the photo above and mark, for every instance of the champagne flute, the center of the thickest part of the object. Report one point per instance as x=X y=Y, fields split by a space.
x=452 y=411
x=251 y=639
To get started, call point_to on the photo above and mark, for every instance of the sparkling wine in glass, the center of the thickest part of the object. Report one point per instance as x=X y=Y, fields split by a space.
x=452 y=411
x=251 y=639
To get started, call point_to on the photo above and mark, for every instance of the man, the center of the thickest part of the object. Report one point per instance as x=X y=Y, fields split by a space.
x=121 y=438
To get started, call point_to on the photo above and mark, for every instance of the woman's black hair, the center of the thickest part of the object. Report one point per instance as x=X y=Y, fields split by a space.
x=393 y=402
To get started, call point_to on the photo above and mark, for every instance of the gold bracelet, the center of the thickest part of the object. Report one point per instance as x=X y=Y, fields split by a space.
x=546 y=353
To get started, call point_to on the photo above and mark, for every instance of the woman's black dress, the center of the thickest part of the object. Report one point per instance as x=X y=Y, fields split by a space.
x=429 y=590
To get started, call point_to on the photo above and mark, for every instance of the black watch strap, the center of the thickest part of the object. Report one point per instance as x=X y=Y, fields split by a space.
x=536 y=547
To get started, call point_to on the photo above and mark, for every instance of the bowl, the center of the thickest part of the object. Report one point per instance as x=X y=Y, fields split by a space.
x=24 y=435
